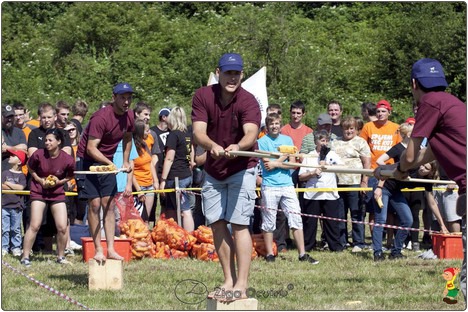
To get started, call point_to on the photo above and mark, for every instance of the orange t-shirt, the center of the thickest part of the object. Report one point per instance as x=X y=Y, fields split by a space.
x=34 y=122
x=26 y=130
x=142 y=165
x=380 y=139
x=296 y=134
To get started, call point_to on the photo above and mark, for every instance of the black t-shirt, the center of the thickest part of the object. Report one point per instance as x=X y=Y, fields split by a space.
x=395 y=151
x=337 y=130
x=392 y=184
x=37 y=136
x=179 y=142
x=161 y=138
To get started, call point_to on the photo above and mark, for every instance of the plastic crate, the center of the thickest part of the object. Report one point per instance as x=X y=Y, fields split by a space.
x=122 y=247
x=447 y=246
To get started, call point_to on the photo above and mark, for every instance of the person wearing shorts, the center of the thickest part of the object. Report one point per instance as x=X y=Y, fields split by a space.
x=50 y=169
x=441 y=118
x=99 y=141
x=446 y=197
x=226 y=118
x=278 y=188
x=176 y=165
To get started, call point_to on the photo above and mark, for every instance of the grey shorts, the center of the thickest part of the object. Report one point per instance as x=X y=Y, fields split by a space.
x=447 y=202
x=232 y=199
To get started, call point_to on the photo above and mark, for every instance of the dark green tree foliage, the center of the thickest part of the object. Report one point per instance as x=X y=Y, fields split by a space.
x=314 y=51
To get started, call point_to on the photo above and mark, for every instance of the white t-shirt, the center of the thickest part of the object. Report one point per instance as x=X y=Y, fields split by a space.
x=326 y=180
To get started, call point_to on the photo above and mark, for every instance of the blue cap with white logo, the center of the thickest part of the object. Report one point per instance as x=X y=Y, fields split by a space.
x=122 y=88
x=429 y=73
x=231 y=61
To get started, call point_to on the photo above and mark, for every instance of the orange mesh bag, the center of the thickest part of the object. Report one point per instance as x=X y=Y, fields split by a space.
x=159 y=231
x=204 y=252
x=203 y=234
x=177 y=237
x=259 y=245
x=178 y=254
x=161 y=251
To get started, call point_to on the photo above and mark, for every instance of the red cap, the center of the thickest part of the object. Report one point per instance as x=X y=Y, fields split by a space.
x=451 y=270
x=411 y=120
x=20 y=154
x=384 y=104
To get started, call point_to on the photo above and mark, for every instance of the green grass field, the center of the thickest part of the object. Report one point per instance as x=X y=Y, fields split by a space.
x=342 y=281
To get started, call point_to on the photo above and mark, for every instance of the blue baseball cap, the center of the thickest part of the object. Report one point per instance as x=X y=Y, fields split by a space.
x=231 y=61
x=164 y=111
x=429 y=73
x=122 y=88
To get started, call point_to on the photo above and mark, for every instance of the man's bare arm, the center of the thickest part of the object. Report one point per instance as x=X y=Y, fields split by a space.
x=414 y=156
x=94 y=152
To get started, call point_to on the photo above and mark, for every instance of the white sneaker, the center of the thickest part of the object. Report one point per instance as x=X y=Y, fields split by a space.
x=16 y=252
x=356 y=249
x=74 y=245
x=4 y=252
x=409 y=246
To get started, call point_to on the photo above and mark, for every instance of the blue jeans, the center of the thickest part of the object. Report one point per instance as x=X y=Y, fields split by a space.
x=398 y=202
x=11 y=228
x=351 y=201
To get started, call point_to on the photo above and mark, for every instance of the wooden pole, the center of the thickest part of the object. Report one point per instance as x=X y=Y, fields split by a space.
x=335 y=169
x=177 y=193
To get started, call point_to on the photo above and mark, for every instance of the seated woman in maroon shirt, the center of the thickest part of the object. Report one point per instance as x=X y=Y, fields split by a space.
x=46 y=165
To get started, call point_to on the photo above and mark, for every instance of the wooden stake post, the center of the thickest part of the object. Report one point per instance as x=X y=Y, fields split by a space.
x=177 y=196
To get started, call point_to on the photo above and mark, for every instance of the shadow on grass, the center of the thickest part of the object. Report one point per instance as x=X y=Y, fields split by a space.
x=76 y=278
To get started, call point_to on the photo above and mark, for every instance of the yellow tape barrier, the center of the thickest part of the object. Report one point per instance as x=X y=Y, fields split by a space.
x=325 y=189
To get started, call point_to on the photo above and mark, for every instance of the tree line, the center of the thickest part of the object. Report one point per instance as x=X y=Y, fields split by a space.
x=315 y=52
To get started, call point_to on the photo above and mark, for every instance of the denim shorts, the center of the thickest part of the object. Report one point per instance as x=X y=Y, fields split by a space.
x=185 y=201
x=147 y=188
x=232 y=199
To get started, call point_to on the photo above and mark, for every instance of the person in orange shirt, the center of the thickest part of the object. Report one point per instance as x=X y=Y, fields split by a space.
x=295 y=128
x=381 y=134
x=36 y=122
x=144 y=171
x=20 y=123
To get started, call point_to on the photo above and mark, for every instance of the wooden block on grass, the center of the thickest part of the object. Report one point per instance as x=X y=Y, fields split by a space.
x=240 y=305
x=109 y=275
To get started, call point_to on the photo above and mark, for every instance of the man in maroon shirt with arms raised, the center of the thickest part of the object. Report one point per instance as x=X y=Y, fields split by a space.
x=227 y=118
x=97 y=146
x=441 y=118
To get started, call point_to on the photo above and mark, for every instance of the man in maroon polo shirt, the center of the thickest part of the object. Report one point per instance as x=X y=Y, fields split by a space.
x=99 y=141
x=227 y=118
x=442 y=120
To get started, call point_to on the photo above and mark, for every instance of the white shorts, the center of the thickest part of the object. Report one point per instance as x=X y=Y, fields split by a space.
x=287 y=199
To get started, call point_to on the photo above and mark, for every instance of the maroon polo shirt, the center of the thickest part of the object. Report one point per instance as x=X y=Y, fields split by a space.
x=109 y=127
x=441 y=118
x=62 y=167
x=224 y=126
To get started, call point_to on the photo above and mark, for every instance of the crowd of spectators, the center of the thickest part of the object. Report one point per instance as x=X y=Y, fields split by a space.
x=166 y=151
